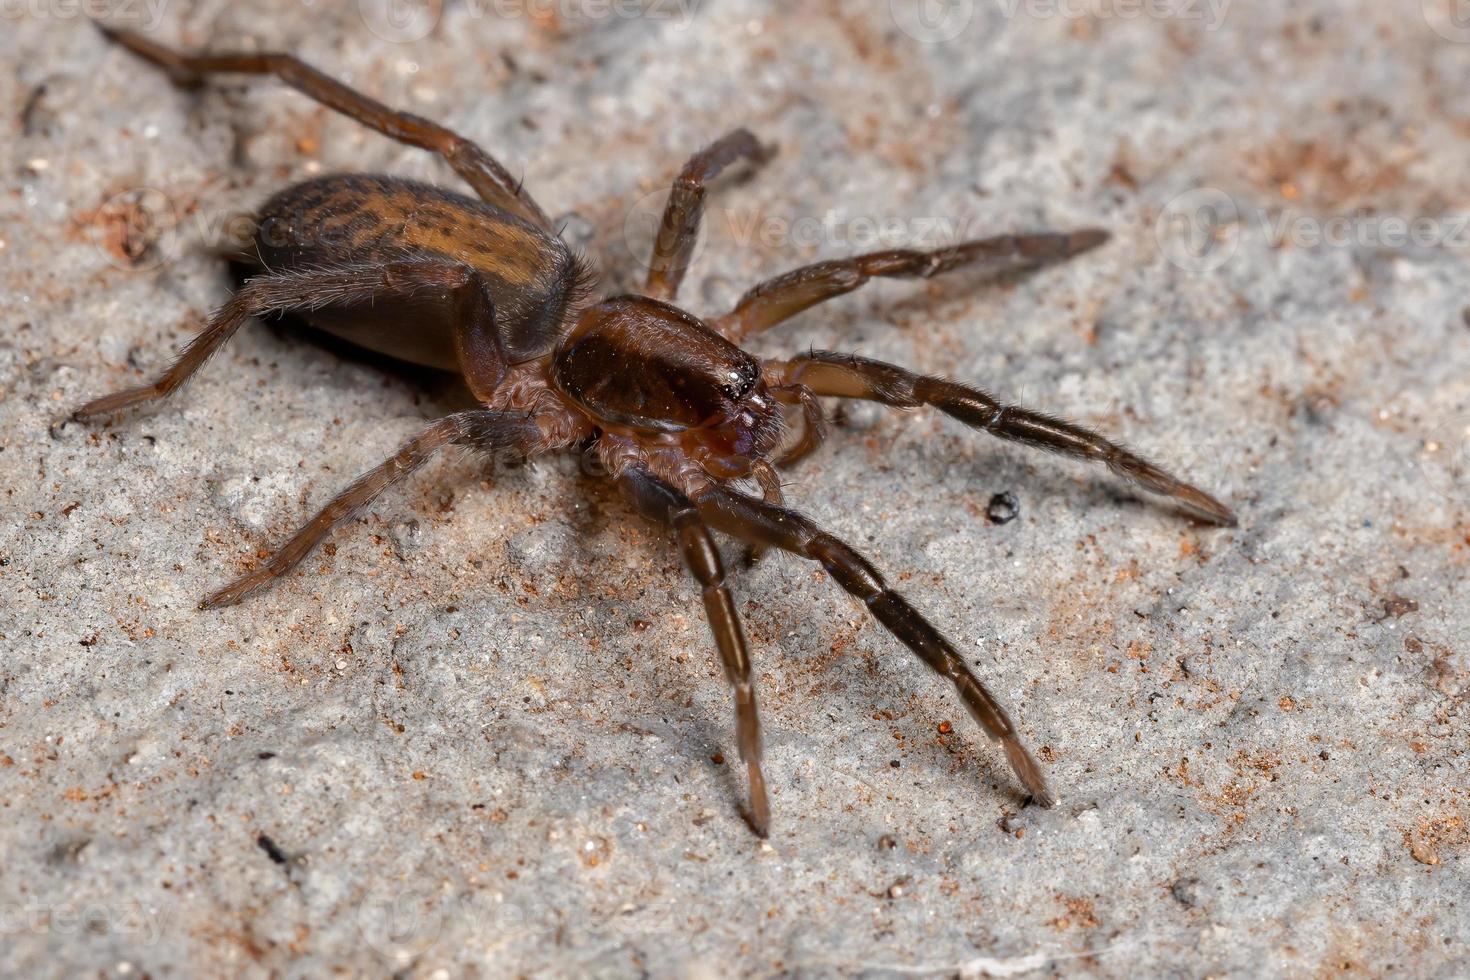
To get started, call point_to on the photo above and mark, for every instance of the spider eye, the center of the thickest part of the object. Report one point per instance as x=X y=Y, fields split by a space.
x=738 y=381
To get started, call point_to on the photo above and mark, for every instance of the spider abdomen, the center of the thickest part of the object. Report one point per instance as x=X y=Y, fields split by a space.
x=353 y=220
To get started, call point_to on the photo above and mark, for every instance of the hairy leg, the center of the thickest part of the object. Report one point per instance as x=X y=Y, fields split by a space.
x=813 y=431
x=660 y=502
x=475 y=339
x=754 y=521
x=479 y=169
x=849 y=376
x=781 y=298
x=483 y=430
x=679 y=229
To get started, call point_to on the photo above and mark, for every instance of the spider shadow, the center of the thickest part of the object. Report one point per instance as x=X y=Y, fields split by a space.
x=444 y=391
x=1044 y=482
x=700 y=736
x=961 y=286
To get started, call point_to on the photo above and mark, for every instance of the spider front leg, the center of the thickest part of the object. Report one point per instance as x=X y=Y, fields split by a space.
x=483 y=430
x=781 y=298
x=754 y=521
x=678 y=230
x=813 y=431
x=849 y=376
x=479 y=169
x=660 y=502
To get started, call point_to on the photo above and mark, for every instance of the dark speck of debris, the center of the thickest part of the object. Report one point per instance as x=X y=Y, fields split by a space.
x=1011 y=823
x=266 y=755
x=895 y=763
x=1003 y=508
x=1466 y=316
x=887 y=842
x=1397 y=606
x=272 y=850
x=1186 y=892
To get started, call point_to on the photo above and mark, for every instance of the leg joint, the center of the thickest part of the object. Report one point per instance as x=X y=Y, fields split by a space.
x=851 y=570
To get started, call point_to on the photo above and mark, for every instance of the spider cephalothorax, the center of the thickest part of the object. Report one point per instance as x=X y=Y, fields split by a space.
x=659 y=377
x=676 y=410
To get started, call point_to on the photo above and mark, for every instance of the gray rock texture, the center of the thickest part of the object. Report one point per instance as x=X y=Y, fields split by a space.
x=485 y=732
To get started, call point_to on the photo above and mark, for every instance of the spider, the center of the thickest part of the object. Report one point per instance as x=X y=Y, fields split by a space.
x=675 y=410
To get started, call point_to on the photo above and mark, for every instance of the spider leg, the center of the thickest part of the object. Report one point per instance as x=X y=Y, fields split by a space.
x=474 y=339
x=813 y=431
x=784 y=296
x=849 y=376
x=770 y=483
x=479 y=169
x=814 y=425
x=660 y=502
x=753 y=520
x=679 y=228
x=482 y=430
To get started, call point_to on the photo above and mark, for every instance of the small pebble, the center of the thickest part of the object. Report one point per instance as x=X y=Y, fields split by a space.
x=1003 y=508
x=1186 y=892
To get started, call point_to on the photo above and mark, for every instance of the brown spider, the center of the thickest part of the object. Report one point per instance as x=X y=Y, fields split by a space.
x=675 y=411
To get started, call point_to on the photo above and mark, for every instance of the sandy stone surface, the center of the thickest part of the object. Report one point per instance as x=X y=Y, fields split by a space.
x=485 y=732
